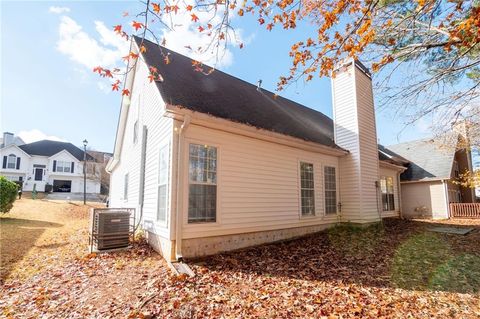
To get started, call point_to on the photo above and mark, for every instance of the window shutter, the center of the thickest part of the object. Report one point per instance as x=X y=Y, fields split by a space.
x=4 y=162
x=54 y=166
x=73 y=165
x=18 y=162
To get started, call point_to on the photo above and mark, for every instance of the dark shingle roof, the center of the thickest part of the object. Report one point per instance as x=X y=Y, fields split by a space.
x=49 y=148
x=428 y=159
x=224 y=96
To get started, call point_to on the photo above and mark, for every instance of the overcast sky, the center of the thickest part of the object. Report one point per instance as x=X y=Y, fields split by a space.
x=48 y=89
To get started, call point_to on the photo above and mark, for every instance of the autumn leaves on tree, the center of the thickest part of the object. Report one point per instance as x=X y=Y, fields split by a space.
x=436 y=43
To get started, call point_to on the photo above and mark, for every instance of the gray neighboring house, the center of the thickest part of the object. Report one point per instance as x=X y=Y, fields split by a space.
x=427 y=185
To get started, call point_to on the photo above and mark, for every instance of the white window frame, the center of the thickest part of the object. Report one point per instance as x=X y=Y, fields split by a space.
x=163 y=180
x=14 y=157
x=187 y=180
x=300 y=188
x=325 y=190
x=385 y=178
x=63 y=166
x=125 y=186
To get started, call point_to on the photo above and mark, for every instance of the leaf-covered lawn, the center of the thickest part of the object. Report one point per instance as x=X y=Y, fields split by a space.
x=396 y=271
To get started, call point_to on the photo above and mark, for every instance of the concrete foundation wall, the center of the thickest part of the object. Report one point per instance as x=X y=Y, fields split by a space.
x=162 y=245
x=197 y=247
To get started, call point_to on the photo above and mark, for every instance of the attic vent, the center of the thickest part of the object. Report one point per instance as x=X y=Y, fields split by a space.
x=259 y=85
x=111 y=228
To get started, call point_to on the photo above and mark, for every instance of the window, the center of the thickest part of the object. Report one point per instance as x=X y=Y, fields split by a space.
x=202 y=198
x=12 y=161
x=330 y=190
x=386 y=187
x=63 y=166
x=135 y=132
x=307 y=189
x=125 y=187
x=456 y=170
x=162 y=183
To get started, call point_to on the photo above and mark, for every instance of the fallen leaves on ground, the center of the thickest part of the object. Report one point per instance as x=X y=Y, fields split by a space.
x=344 y=272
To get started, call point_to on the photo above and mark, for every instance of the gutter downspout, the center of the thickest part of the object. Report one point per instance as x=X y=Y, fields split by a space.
x=141 y=195
x=399 y=187
x=445 y=191
x=178 y=213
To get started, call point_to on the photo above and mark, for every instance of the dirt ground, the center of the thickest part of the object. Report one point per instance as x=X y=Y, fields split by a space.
x=400 y=270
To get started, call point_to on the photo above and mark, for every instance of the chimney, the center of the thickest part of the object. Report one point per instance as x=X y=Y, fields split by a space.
x=355 y=130
x=8 y=138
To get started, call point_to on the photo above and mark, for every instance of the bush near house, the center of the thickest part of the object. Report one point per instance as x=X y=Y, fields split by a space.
x=8 y=194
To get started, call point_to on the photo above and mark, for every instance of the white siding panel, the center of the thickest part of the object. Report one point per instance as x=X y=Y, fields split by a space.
x=355 y=131
x=148 y=108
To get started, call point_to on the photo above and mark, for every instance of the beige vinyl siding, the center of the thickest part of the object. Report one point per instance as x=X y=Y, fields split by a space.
x=388 y=172
x=355 y=131
x=257 y=184
x=424 y=199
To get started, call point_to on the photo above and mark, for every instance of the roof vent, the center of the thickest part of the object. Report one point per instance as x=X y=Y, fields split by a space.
x=259 y=85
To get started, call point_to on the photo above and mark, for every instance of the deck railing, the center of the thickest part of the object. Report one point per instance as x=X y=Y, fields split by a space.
x=465 y=210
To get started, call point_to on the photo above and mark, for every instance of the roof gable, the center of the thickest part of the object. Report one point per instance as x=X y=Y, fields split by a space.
x=15 y=146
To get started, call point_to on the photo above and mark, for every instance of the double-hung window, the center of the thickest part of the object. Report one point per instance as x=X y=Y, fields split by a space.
x=162 y=183
x=63 y=166
x=330 y=178
x=202 y=190
x=307 y=189
x=12 y=161
x=388 y=197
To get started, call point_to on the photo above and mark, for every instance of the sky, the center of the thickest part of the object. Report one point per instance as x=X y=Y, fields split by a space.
x=48 y=89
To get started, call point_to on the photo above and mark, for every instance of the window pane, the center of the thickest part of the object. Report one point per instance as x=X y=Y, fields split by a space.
x=12 y=161
x=162 y=183
x=307 y=191
x=330 y=190
x=162 y=203
x=202 y=203
x=203 y=179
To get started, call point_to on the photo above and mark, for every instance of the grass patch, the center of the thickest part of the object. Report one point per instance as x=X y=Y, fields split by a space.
x=461 y=274
x=417 y=260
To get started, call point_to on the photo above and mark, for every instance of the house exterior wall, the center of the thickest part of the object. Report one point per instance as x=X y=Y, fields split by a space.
x=257 y=185
x=154 y=132
x=14 y=174
x=355 y=130
x=424 y=200
x=464 y=159
x=393 y=173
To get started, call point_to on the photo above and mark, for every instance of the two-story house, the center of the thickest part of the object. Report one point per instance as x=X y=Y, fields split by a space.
x=45 y=162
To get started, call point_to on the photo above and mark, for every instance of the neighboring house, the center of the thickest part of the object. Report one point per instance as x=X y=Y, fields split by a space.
x=213 y=163
x=98 y=166
x=45 y=162
x=428 y=184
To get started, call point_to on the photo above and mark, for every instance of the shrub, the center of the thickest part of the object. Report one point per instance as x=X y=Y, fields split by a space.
x=8 y=194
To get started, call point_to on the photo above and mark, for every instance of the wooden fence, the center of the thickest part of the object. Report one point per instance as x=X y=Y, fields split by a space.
x=465 y=210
